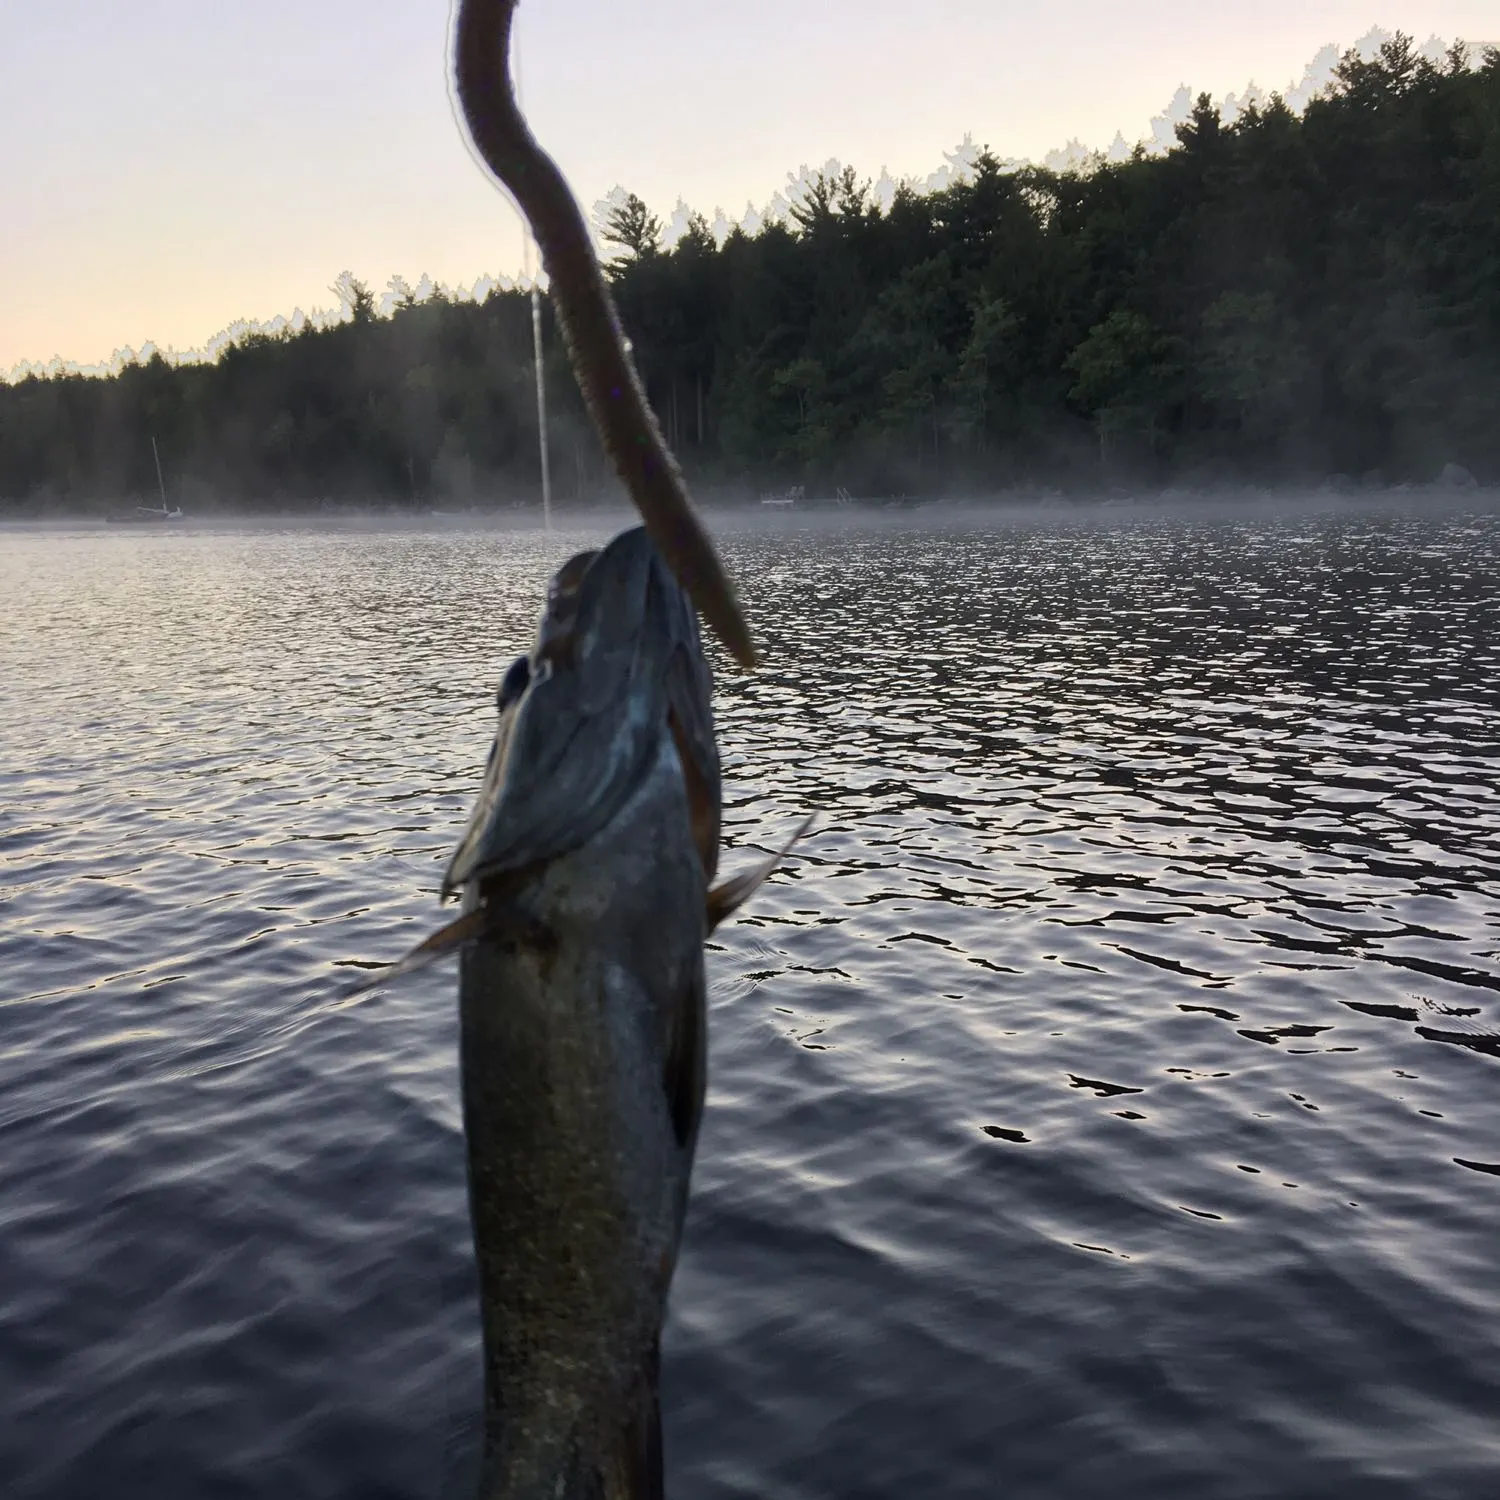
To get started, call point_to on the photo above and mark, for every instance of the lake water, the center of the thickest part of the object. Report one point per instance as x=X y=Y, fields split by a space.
x=1105 y=1099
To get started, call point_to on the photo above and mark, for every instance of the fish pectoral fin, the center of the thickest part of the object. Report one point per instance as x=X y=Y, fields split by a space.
x=495 y=919
x=730 y=894
x=442 y=942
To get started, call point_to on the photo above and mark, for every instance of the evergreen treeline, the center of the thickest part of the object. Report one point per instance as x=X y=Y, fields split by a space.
x=1279 y=298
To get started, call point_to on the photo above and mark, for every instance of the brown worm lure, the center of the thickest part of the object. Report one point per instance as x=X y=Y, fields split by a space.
x=605 y=372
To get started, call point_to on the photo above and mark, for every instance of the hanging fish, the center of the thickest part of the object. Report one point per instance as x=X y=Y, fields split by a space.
x=586 y=875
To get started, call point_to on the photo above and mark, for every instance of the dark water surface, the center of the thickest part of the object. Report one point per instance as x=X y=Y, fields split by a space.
x=1104 y=1102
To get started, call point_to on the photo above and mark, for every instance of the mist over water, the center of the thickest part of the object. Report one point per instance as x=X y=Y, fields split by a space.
x=1103 y=1099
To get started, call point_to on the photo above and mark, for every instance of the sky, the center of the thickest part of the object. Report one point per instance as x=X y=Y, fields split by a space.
x=173 y=166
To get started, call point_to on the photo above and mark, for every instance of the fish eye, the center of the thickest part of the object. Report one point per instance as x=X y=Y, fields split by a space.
x=514 y=684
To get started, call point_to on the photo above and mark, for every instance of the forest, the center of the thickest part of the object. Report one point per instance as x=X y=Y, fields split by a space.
x=1280 y=299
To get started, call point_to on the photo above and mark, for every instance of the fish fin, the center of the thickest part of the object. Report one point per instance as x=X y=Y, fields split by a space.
x=703 y=795
x=685 y=1074
x=732 y=893
x=689 y=685
x=429 y=950
x=648 y=1437
x=634 y=1470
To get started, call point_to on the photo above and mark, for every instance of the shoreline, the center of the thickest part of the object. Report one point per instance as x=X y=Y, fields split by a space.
x=741 y=514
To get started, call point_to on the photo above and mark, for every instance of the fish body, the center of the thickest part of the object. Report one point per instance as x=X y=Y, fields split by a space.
x=585 y=878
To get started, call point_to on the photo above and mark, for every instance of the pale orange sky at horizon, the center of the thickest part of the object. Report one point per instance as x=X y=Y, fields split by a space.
x=173 y=167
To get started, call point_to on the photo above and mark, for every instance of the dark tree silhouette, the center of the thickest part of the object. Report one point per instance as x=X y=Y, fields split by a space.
x=1280 y=297
x=634 y=228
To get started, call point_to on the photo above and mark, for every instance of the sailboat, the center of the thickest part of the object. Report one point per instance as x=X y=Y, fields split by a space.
x=148 y=513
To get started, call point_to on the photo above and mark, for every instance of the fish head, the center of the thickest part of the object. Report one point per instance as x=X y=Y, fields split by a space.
x=617 y=665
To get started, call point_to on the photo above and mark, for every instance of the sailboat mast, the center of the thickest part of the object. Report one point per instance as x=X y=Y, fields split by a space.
x=541 y=405
x=527 y=246
x=160 y=482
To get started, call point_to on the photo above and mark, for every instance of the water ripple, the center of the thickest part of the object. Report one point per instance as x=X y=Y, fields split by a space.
x=1102 y=1097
